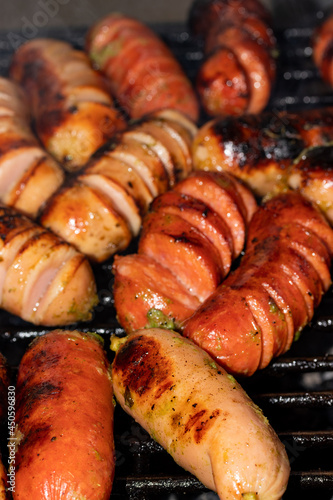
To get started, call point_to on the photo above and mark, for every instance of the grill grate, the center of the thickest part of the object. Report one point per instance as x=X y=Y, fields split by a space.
x=295 y=391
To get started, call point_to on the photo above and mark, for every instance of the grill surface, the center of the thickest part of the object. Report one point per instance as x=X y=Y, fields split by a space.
x=295 y=391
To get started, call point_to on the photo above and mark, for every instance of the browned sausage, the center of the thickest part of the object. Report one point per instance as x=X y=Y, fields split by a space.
x=28 y=175
x=200 y=415
x=64 y=419
x=143 y=73
x=42 y=279
x=66 y=95
x=261 y=307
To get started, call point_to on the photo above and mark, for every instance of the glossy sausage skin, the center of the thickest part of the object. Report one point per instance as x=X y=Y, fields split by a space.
x=238 y=72
x=64 y=419
x=4 y=383
x=42 y=278
x=189 y=241
x=200 y=415
x=66 y=94
x=100 y=209
x=28 y=175
x=260 y=308
x=143 y=74
x=266 y=150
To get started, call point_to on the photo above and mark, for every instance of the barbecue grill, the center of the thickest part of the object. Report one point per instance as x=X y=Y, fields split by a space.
x=296 y=390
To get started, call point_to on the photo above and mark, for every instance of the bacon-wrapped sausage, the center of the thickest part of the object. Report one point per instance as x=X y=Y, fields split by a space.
x=238 y=71
x=200 y=415
x=189 y=240
x=101 y=209
x=143 y=74
x=42 y=278
x=323 y=49
x=4 y=383
x=28 y=176
x=72 y=108
x=266 y=151
x=64 y=419
x=262 y=306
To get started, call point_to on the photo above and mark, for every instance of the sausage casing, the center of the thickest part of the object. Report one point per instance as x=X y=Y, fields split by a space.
x=64 y=419
x=200 y=415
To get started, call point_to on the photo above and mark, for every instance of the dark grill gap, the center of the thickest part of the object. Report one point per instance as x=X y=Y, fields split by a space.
x=295 y=391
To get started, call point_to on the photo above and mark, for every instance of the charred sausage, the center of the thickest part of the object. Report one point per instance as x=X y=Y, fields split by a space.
x=272 y=151
x=266 y=302
x=189 y=240
x=143 y=74
x=64 y=419
x=101 y=209
x=238 y=71
x=66 y=95
x=42 y=278
x=28 y=176
x=200 y=415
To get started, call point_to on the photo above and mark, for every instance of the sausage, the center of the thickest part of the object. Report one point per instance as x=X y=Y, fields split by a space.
x=265 y=303
x=264 y=150
x=322 y=45
x=64 y=419
x=312 y=175
x=43 y=279
x=149 y=294
x=28 y=176
x=176 y=244
x=200 y=415
x=4 y=383
x=203 y=13
x=66 y=94
x=101 y=208
x=238 y=72
x=189 y=241
x=142 y=72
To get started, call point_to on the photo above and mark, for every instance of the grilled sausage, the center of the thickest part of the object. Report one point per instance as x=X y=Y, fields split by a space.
x=101 y=209
x=265 y=151
x=200 y=415
x=238 y=71
x=312 y=175
x=322 y=45
x=142 y=72
x=28 y=176
x=64 y=419
x=66 y=95
x=260 y=308
x=42 y=279
x=4 y=383
x=188 y=243
x=147 y=293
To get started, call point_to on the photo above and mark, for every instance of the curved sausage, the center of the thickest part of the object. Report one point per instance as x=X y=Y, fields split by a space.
x=28 y=176
x=149 y=294
x=142 y=72
x=266 y=302
x=269 y=151
x=64 y=419
x=238 y=72
x=66 y=94
x=200 y=415
x=100 y=209
x=42 y=279
x=4 y=383
x=189 y=240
